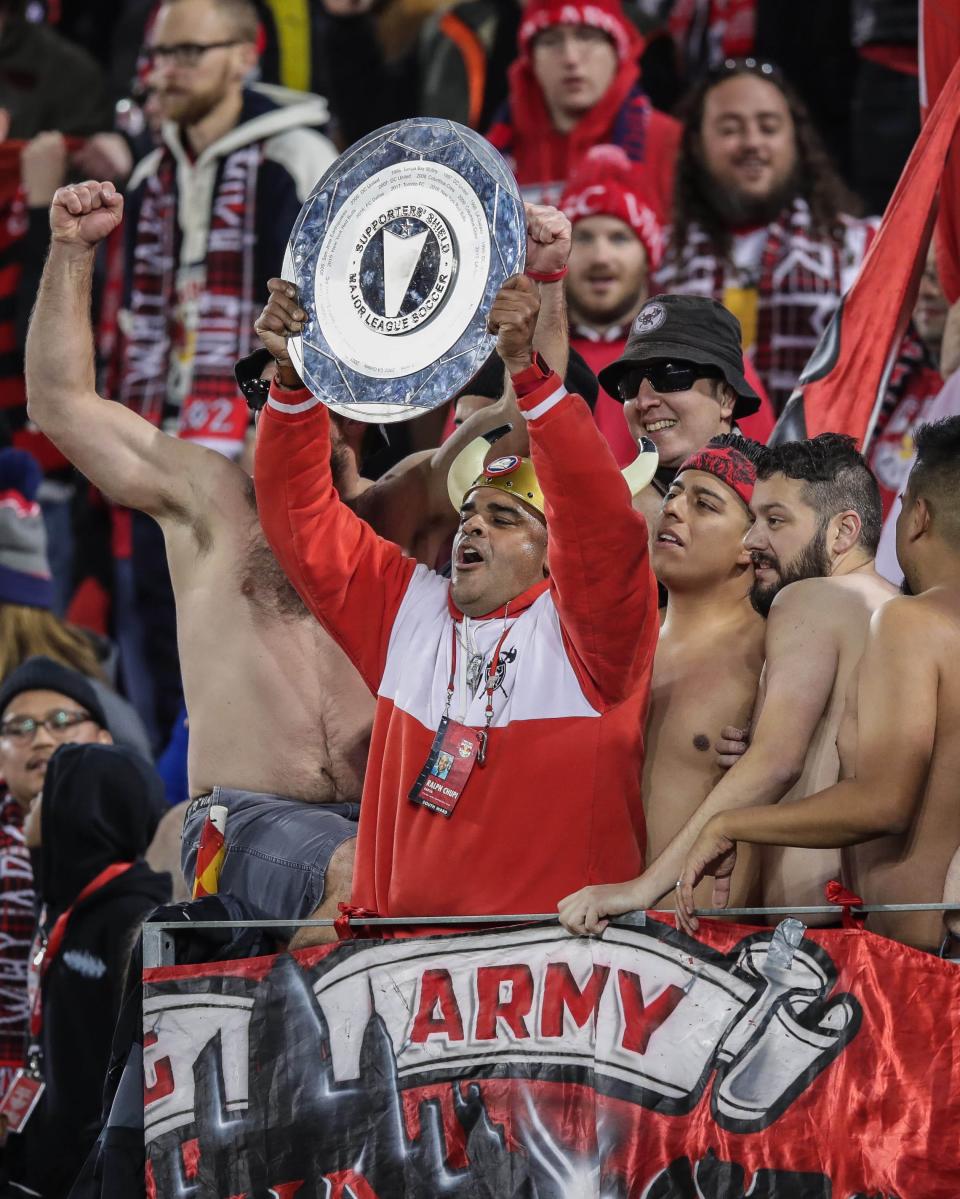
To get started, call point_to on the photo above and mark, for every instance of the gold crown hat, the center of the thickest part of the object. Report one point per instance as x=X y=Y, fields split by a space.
x=516 y=475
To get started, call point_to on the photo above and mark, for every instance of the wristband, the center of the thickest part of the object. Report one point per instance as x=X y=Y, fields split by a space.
x=531 y=376
x=545 y=276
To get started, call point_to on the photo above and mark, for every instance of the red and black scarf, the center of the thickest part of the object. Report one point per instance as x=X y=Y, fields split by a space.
x=189 y=323
x=17 y=922
x=798 y=262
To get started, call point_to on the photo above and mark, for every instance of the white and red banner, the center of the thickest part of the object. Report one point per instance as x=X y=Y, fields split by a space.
x=529 y=1063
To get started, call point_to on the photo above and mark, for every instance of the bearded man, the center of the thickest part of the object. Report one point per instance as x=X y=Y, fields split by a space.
x=762 y=221
x=813 y=540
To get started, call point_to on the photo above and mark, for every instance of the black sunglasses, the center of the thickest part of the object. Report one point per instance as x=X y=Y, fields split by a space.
x=665 y=377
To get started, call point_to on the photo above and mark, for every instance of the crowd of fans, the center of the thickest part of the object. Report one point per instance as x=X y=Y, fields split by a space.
x=546 y=690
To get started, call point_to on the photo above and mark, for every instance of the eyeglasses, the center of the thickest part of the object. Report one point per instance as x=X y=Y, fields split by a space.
x=58 y=722
x=665 y=377
x=183 y=54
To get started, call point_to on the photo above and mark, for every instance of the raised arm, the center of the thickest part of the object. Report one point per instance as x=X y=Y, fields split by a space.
x=121 y=453
x=413 y=498
x=351 y=580
x=597 y=550
x=897 y=721
x=801 y=665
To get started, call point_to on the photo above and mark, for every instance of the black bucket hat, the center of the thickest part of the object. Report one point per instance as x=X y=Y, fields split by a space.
x=688 y=328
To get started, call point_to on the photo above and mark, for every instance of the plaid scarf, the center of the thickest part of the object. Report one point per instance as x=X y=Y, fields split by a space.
x=190 y=322
x=914 y=384
x=17 y=923
x=802 y=276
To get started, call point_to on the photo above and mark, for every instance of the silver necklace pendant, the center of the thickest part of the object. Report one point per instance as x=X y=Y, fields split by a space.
x=474 y=671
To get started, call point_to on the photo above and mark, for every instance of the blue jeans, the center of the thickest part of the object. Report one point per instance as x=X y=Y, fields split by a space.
x=278 y=849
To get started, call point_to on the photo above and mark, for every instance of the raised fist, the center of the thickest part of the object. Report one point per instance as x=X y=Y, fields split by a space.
x=83 y=214
x=548 y=238
x=513 y=318
x=281 y=318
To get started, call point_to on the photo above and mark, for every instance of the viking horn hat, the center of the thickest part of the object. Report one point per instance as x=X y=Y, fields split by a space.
x=516 y=475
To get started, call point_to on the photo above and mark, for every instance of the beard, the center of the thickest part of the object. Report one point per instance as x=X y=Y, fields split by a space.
x=737 y=209
x=586 y=313
x=811 y=563
x=190 y=108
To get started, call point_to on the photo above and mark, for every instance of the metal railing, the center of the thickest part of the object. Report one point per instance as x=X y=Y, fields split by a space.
x=158 y=948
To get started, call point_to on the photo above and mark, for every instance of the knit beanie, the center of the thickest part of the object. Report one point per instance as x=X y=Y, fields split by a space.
x=607 y=183
x=607 y=15
x=43 y=674
x=24 y=567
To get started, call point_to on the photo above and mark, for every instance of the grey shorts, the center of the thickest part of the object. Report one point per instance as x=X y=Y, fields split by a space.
x=278 y=849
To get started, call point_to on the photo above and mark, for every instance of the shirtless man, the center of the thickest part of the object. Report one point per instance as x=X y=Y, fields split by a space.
x=681 y=381
x=897 y=820
x=710 y=653
x=258 y=674
x=817 y=512
x=277 y=713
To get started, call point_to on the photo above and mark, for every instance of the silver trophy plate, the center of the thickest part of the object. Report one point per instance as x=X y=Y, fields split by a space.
x=398 y=254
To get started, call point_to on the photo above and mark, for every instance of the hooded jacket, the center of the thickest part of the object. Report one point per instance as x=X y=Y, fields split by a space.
x=543 y=159
x=557 y=804
x=204 y=233
x=101 y=806
x=295 y=156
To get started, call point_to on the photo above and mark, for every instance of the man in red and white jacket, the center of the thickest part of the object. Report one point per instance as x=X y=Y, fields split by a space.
x=533 y=661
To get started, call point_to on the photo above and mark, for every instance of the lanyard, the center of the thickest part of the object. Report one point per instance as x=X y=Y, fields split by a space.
x=491 y=673
x=46 y=949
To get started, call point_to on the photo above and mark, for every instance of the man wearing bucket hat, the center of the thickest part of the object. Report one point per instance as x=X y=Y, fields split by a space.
x=681 y=381
x=504 y=764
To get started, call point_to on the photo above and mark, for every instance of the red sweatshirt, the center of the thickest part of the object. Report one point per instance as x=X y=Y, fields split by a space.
x=557 y=805
x=543 y=159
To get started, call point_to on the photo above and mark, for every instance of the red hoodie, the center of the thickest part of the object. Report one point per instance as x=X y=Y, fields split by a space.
x=543 y=158
x=557 y=804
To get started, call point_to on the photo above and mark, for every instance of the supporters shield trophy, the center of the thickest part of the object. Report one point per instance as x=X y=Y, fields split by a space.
x=398 y=254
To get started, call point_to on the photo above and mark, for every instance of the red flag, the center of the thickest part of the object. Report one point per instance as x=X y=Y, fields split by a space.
x=211 y=852
x=842 y=386
x=939 y=51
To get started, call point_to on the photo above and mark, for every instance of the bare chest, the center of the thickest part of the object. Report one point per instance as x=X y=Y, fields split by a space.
x=274 y=704
x=692 y=698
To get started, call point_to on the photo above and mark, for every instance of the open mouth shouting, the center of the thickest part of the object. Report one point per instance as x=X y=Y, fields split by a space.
x=468 y=557
x=667 y=537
